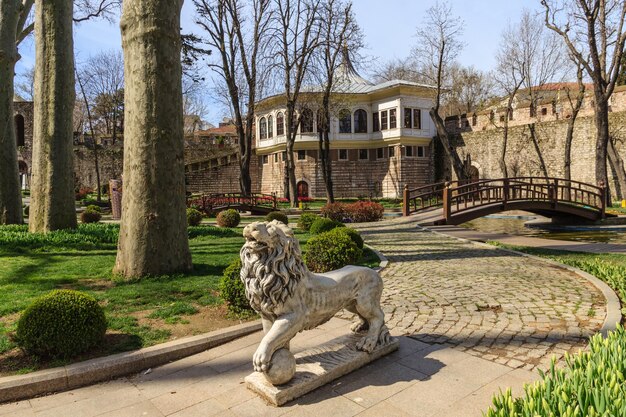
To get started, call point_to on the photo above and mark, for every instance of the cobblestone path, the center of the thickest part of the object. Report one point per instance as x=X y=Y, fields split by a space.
x=505 y=308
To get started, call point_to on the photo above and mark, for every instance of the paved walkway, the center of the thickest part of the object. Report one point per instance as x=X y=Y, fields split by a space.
x=471 y=321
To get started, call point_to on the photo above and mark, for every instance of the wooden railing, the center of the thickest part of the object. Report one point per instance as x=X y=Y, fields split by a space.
x=456 y=198
x=211 y=202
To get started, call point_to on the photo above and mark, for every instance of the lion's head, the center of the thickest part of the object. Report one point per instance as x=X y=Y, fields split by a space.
x=271 y=264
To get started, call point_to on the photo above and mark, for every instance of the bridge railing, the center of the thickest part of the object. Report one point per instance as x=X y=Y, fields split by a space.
x=209 y=203
x=455 y=197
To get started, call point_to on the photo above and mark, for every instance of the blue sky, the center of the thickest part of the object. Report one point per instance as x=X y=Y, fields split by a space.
x=389 y=27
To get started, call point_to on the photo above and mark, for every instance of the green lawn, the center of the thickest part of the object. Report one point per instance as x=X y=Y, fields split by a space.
x=140 y=313
x=610 y=268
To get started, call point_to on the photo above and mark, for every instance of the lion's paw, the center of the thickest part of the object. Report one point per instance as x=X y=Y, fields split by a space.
x=367 y=344
x=359 y=326
x=261 y=359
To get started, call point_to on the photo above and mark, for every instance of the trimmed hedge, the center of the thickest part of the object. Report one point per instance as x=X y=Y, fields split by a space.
x=277 y=215
x=61 y=324
x=233 y=291
x=331 y=250
x=306 y=220
x=322 y=225
x=228 y=218
x=91 y=215
x=592 y=383
x=358 y=212
x=194 y=217
x=335 y=211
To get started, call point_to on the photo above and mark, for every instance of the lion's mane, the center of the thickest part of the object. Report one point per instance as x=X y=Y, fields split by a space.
x=272 y=276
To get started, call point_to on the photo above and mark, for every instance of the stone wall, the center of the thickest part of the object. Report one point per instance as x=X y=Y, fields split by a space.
x=485 y=147
x=110 y=161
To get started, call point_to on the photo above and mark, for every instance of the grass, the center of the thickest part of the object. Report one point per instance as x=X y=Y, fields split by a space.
x=610 y=268
x=616 y=208
x=140 y=313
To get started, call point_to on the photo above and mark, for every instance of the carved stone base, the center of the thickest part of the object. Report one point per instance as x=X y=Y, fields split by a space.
x=316 y=367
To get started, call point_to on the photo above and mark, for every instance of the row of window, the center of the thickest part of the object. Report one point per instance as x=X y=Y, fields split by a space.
x=383 y=120
x=364 y=154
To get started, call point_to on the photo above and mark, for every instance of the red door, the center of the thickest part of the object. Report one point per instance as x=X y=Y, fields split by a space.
x=303 y=189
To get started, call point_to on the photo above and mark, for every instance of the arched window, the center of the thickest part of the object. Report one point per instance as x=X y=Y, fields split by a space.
x=360 y=121
x=345 y=121
x=270 y=127
x=263 y=128
x=280 y=124
x=19 y=130
x=306 y=121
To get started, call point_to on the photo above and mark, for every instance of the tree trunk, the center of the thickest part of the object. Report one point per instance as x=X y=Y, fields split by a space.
x=542 y=162
x=442 y=133
x=602 y=137
x=153 y=233
x=10 y=195
x=326 y=164
x=618 y=166
x=505 y=143
x=290 y=166
x=52 y=192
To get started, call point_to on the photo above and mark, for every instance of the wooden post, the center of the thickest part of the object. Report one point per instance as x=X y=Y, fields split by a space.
x=447 y=202
x=406 y=210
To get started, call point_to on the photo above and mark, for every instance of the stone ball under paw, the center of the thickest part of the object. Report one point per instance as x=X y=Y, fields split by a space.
x=282 y=367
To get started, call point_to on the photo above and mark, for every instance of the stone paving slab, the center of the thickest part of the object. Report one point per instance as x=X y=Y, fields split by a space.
x=203 y=386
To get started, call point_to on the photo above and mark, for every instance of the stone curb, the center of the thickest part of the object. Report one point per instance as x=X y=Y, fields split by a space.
x=19 y=387
x=383 y=260
x=613 y=305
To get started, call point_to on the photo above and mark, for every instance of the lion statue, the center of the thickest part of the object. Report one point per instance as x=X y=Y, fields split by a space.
x=291 y=299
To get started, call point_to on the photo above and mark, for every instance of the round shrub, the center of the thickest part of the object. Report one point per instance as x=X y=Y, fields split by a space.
x=94 y=208
x=61 y=324
x=89 y=216
x=352 y=234
x=277 y=215
x=306 y=220
x=335 y=211
x=232 y=289
x=331 y=250
x=365 y=211
x=228 y=218
x=194 y=217
x=323 y=224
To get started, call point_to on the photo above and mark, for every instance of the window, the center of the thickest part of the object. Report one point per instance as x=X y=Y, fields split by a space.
x=263 y=128
x=380 y=153
x=343 y=154
x=19 y=130
x=280 y=124
x=345 y=121
x=417 y=119
x=421 y=152
x=270 y=127
x=408 y=151
x=393 y=123
x=284 y=156
x=544 y=111
x=301 y=155
x=306 y=121
x=408 y=124
x=392 y=151
x=383 y=120
x=375 y=122
x=360 y=121
x=265 y=159
x=275 y=158
x=363 y=154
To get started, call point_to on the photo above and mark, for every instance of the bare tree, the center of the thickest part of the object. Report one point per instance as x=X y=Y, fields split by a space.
x=470 y=89
x=339 y=32
x=153 y=232
x=575 y=106
x=93 y=133
x=439 y=45
x=239 y=44
x=195 y=108
x=398 y=69
x=594 y=33
x=295 y=33
x=25 y=87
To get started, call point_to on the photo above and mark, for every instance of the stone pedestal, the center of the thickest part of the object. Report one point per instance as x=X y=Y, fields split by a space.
x=316 y=367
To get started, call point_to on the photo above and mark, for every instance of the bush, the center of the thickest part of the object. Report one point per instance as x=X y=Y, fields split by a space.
x=82 y=193
x=90 y=216
x=228 y=218
x=331 y=250
x=592 y=383
x=61 y=324
x=365 y=211
x=233 y=290
x=194 y=217
x=277 y=215
x=335 y=211
x=352 y=234
x=322 y=225
x=93 y=208
x=306 y=220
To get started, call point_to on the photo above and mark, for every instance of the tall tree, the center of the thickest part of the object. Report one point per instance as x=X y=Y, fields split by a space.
x=594 y=33
x=439 y=45
x=296 y=37
x=239 y=44
x=153 y=232
x=575 y=106
x=52 y=191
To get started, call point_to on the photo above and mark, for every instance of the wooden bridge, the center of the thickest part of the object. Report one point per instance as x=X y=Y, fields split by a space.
x=550 y=197
x=254 y=203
